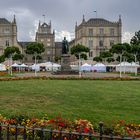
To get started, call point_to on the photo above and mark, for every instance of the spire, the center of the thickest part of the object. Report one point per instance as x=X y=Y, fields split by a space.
x=53 y=31
x=50 y=23
x=83 y=18
x=39 y=24
x=120 y=20
x=76 y=24
x=14 y=20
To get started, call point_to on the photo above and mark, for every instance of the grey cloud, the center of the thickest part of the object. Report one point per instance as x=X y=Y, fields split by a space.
x=64 y=13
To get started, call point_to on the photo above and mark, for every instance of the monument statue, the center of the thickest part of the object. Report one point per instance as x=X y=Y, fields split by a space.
x=65 y=46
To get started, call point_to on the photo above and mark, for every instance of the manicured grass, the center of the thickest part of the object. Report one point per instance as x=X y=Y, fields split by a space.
x=86 y=99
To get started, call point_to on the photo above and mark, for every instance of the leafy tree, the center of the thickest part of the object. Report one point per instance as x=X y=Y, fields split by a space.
x=18 y=56
x=136 y=39
x=119 y=49
x=35 y=49
x=97 y=59
x=105 y=55
x=135 y=43
x=11 y=51
x=2 y=58
x=110 y=59
x=79 y=50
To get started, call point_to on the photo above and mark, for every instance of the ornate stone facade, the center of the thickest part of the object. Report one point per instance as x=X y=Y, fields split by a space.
x=8 y=34
x=45 y=36
x=98 y=34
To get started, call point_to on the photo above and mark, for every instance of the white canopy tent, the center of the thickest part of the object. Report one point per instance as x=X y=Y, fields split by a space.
x=2 y=67
x=127 y=67
x=74 y=67
x=85 y=67
x=52 y=66
x=35 y=67
x=99 y=67
x=23 y=66
x=15 y=65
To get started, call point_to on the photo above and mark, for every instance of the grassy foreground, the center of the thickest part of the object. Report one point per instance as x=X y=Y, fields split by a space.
x=73 y=99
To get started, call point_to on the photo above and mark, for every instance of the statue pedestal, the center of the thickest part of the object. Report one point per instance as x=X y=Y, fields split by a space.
x=65 y=66
x=65 y=62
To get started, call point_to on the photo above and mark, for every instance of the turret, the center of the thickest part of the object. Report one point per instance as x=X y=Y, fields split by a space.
x=120 y=20
x=14 y=20
x=83 y=19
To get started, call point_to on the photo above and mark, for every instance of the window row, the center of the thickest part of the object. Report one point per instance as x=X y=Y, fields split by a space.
x=100 y=44
x=100 y=32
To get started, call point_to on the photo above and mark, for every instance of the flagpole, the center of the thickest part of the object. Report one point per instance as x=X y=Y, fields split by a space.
x=96 y=13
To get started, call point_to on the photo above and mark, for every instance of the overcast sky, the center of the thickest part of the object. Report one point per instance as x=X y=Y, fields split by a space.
x=64 y=14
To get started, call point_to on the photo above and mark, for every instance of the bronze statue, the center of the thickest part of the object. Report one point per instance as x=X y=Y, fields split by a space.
x=65 y=46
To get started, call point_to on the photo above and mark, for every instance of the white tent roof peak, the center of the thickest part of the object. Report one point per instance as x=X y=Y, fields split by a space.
x=86 y=64
x=99 y=64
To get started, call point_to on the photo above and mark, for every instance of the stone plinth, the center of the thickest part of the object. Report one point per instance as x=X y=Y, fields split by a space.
x=65 y=66
x=65 y=62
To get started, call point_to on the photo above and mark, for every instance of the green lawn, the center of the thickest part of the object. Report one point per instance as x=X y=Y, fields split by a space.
x=93 y=100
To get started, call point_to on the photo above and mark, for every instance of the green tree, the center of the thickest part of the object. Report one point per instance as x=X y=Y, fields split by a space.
x=2 y=58
x=35 y=49
x=136 y=39
x=79 y=50
x=119 y=49
x=97 y=59
x=12 y=52
x=105 y=55
x=18 y=57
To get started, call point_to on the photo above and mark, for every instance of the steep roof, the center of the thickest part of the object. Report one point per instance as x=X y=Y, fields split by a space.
x=99 y=22
x=4 y=21
x=24 y=44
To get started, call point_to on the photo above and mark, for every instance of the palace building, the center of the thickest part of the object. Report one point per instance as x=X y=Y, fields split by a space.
x=8 y=34
x=98 y=34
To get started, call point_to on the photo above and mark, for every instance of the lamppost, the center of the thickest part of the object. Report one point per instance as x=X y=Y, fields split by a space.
x=79 y=66
x=35 y=64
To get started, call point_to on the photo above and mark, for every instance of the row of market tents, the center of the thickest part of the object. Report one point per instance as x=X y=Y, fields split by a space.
x=99 y=67
x=48 y=66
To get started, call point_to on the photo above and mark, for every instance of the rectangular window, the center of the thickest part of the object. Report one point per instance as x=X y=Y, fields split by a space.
x=7 y=43
x=101 y=31
x=90 y=32
x=90 y=44
x=101 y=43
x=112 y=32
x=91 y=54
x=111 y=42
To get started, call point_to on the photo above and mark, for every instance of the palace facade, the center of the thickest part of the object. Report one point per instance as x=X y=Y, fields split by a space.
x=97 y=34
x=8 y=34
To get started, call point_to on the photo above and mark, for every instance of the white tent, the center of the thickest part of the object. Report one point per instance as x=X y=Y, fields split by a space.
x=85 y=67
x=23 y=65
x=99 y=67
x=74 y=67
x=52 y=66
x=35 y=67
x=15 y=65
x=2 y=67
x=127 y=67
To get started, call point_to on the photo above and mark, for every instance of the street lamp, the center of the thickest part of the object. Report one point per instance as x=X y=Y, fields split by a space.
x=79 y=66
x=35 y=65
